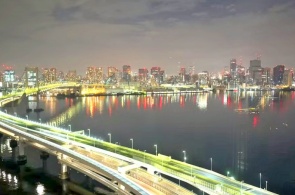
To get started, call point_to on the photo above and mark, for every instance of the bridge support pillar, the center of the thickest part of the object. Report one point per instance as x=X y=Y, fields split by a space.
x=21 y=158
x=64 y=187
x=44 y=156
x=13 y=145
x=64 y=172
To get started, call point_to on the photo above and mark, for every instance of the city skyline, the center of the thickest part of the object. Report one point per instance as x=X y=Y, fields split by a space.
x=168 y=34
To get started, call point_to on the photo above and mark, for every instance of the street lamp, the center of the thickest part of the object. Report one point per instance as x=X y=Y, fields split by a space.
x=156 y=146
x=184 y=155
x=265 y=185
x=88 y=132
x=70 y=127
x=110 y=137
x=211 y=162
x=260 y=180
x=131 y=142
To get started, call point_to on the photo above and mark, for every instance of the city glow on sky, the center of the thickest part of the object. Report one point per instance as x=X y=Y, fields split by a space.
x=72 y=35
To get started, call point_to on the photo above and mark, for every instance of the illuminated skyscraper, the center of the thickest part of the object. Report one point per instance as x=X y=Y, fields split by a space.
x=203 y=79
x=113 y=75
x=60 y=76
x=94 y=74
x=266 y=76
x=191 y=70
x=49 y=75
x=126 y=73
x=278 y=74
x=71 y=76
x=52 y=75
x=90 y=74
x=288 y=77
x=233 y=68
x=9 y=76
x=31 y=77
x=157 y=74
x=99 y=74
x=182 y=73
x=255 y=71
x=142 y=74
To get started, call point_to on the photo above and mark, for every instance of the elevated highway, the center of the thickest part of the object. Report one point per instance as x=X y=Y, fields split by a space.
x=206 y=180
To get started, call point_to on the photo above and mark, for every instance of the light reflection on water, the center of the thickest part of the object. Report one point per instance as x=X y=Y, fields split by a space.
x=205 y=125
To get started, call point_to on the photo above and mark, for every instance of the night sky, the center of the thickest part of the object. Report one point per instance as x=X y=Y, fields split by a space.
x=72 y=35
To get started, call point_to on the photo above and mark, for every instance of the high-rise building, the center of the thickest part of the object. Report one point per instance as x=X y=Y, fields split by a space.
x=162 y=76
x=99 y=74
x=52 y=75
x=255 y=71
x=156 y=74
x=288 y=77
x=142 y=74
x=182 y=73
x=233 y=68
x=126 y=73
x=60 y=76
x=278 y=74
x=94 y=74
x=266 y=76
x=45 y=75
x=241 y=72
x=112 y=75
x=31 y=77
x=191 y=70
x=90 y=74
x=203 y=79
x=9 y=76
x=71 y=76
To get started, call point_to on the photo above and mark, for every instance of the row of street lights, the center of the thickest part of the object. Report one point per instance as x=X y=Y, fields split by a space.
x=156 y=148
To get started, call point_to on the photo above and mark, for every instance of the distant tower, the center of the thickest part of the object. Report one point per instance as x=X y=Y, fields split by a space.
x=255 y=71
x=142 y=74
x=191 y=70
x=90 y=74
x=182 y=73
x=52 y=75
x=98 y=74
x=155 y=72
x=31 y=77
x=126 y=73
x=112 y=75
x=278 y=74
x=233 y=68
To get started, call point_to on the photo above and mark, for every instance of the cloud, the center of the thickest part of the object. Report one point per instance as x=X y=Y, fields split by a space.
x=143 y=33
x=281 y=7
